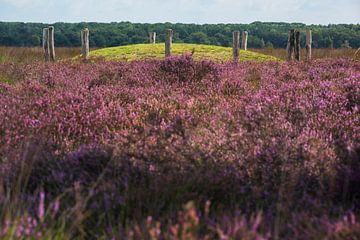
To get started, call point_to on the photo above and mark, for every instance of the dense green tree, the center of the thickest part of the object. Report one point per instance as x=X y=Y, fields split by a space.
x=345 y=44
x=222 y=39
x=198 y=37
x=269 y=45
x=261 y=34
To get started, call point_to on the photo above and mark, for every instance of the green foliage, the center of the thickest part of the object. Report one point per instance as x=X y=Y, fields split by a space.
x=345 y=44
x=199 y=37
x=157 y=51
x=5 y=79
x=124 y=33
x=269 y=45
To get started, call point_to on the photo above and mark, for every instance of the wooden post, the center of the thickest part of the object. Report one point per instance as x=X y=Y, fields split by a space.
x=244 y=40
x=236 y=45
x=51 y=44
x=152 y=37
x=85 y=44
x=297 y=46
x=168 y=42
x=46 y=44
x=291 y=45
x=308 y=45
x=288 y=57
x=356 y=54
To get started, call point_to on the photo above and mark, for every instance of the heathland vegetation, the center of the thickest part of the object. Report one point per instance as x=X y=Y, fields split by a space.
x=128 y=144
x=262 y=35
x=36 y=54
x=180 y=149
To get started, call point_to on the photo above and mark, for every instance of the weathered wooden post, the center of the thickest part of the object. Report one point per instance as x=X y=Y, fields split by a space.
x=46 y=44
x=356 y=55
x=168 y=42
x=244 y=40
x=152 y=37
x=51 y=44
x=308 y=45
x=291 y=45
x=85 y=44
x=288 y=55
x=297 y=46
x=236 y=45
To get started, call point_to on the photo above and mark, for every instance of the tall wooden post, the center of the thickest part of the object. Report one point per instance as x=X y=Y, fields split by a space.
x=236 y=45
x=168 y=42
x=46 y=44
x=308 y=45
x=291 y=45
x=51 y=44
x=244 y=40
x=297 y=46
x=152 y=37
x=85 y=44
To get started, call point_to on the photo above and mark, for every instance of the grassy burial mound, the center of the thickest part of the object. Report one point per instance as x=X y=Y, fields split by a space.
x=157 y=51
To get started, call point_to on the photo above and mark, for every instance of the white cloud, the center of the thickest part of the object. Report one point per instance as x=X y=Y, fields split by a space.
x=198 y=11
x=23 y=3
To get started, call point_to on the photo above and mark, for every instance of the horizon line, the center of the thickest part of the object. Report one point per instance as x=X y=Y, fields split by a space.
x=185 y=23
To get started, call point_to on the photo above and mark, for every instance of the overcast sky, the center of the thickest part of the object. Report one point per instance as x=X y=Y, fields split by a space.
x=185 y=11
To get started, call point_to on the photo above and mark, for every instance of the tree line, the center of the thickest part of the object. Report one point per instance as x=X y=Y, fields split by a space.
x=261 y=34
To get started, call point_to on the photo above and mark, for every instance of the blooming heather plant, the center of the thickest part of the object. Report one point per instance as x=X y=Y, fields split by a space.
x=274 y=147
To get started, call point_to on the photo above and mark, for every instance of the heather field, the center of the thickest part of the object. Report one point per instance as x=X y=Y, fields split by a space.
x=221 y=54
x=180 y=149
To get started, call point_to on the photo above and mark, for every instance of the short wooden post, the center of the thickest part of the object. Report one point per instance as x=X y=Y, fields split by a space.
x=46 y=44
x=308 y=45
x=244 y=40
x=291 y=45
x=168 y=42
x=51 y=44
x=85 y=44
x=356 y=54
x=236 y=45
x=152 y=37
x=297 y=46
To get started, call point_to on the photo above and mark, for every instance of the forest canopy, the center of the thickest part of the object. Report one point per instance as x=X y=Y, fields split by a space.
x=261 y=34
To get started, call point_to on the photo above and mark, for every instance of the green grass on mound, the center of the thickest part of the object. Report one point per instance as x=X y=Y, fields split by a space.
x=157 y=51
